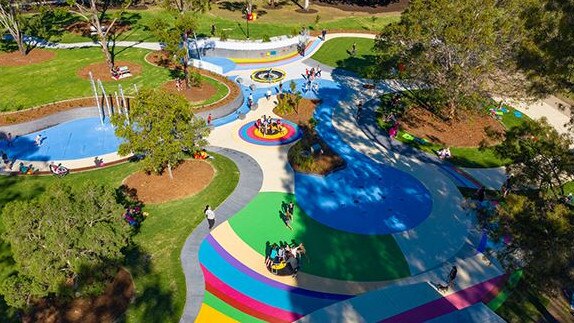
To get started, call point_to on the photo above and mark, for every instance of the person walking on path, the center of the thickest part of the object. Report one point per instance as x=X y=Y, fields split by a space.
x=210 y=215
x=212 y=30
x=9 y=140
x=452 y=276
x=359 y=109
x=323 y=34
x=209 y=118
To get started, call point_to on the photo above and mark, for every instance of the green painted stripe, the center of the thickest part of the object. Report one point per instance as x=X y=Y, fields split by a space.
x=330 y=253
x=227 y=309
x=513 y=280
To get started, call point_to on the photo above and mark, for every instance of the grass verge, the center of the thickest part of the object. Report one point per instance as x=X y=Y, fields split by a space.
x=154 y=258
x=336 y=53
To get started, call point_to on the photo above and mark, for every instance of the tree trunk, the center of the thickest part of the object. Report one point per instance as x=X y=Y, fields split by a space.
x=107 y=54
x=20 y=41
x=169 y=171
x=306 y=5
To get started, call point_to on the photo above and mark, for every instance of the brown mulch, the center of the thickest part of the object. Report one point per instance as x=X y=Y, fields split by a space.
x=468 y=132
x=44 y=110
x=324 y=163
x=83 y=28
x=35 y=56
x=102 y=71
x=305 y=112
x=194 y=94
x=104 y=308
x=189 y=178
x=393 y=6
x=161 y=58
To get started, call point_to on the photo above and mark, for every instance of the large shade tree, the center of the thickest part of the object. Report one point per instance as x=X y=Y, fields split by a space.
x=69 y=240
x=175 y=39
x=537 y=216
x=162 y=128
x=97 y=14
x=24 y=28
x=462 y=49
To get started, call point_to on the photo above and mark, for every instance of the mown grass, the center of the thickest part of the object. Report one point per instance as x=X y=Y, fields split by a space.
x=57 y=79
x=154 y=258
x=337 y=53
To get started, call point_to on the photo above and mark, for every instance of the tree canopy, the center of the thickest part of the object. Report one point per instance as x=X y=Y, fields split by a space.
x=537 y=216
x=463 y=50
x=175 y=39
x=541 y=158
x=162 y=128
x=68 y=240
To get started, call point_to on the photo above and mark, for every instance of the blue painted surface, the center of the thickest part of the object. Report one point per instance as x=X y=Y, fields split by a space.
x=254 y=288
x=225 y=63
x=76 y=139
x=365 y=197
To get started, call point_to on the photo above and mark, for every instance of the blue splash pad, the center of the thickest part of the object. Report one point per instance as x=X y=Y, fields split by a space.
x=80 y=138
x=365 y=197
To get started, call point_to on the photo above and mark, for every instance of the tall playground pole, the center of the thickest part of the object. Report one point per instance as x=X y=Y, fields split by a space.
x=96 y=97
x=124 y=102
x=105 y=97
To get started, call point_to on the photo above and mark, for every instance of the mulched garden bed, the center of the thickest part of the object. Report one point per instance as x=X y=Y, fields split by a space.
x=320 y=164
x=102 y=71
x=467 y=132
x=189 y=178
x=194 y=94
x=9 y=118
x=392 y=6
x=161 y=58
x=35 y=56
x=104 y=308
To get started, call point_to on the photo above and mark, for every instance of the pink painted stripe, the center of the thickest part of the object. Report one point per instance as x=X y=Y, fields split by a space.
x=448 y=304
x=467 y=176
x=248 y=301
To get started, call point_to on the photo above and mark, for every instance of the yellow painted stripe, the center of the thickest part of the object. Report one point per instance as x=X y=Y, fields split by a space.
x=263 y=60
x=208 y=314
x=232 y=243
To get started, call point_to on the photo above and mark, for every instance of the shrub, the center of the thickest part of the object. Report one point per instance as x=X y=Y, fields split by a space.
x=266 y=38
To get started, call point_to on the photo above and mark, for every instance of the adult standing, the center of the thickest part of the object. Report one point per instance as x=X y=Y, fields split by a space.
x=324 y=34
x=452 y=276
x=210 y=215
x=213 y=30
x=359 y=109
x=290 y=208
x=209 y=118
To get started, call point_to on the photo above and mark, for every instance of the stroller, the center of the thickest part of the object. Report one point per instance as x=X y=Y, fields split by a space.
x=59 y=170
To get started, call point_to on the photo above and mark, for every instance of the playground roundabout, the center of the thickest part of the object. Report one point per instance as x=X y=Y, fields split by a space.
x=378 y=229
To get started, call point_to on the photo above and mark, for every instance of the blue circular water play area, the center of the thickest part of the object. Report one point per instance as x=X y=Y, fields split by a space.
x=80 y=138
x=366 y=197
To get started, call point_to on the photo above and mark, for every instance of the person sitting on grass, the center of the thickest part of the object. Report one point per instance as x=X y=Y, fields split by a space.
x=444 y=153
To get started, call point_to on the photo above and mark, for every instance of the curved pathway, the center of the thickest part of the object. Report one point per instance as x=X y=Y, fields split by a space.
x=268 y=170
x=250 y=180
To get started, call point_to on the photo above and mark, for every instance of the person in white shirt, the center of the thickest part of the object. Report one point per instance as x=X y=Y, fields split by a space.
x=210 y=215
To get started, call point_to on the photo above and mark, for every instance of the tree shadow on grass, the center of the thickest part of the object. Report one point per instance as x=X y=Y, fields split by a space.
x=359 y=64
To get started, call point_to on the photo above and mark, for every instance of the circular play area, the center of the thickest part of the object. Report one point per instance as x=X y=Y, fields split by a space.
x=268 y=75
x=279 y=132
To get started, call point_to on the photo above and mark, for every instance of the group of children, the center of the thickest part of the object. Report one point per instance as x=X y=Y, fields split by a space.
x=285 y=254
x=268 y=125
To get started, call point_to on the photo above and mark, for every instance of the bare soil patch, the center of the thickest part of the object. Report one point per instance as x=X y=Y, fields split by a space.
x=194 y=94
x=299 y=154
x=189 y=178
x=35 y=56
x=161 y=58
x=468 y=132
x=102 y=71
x=390 y=6
x=304 y=112
x=83 y=28
x=104 y=308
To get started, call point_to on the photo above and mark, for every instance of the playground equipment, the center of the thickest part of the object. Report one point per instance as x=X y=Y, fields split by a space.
x=268 y=75
x=120 y=105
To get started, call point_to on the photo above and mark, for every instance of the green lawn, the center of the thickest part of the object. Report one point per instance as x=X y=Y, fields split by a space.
x=331 y=253
x=336 y=53
x=235 y=27
x=154 y=258
x=59 y=79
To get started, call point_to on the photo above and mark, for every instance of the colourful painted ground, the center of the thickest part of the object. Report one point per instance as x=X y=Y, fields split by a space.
x=290 y=132
x=259 y=224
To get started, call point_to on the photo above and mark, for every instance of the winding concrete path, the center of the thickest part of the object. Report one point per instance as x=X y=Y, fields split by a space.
x=250 y=181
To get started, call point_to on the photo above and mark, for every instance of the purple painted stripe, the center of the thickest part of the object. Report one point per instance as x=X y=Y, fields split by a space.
x=253 y=274
x=444 y=305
